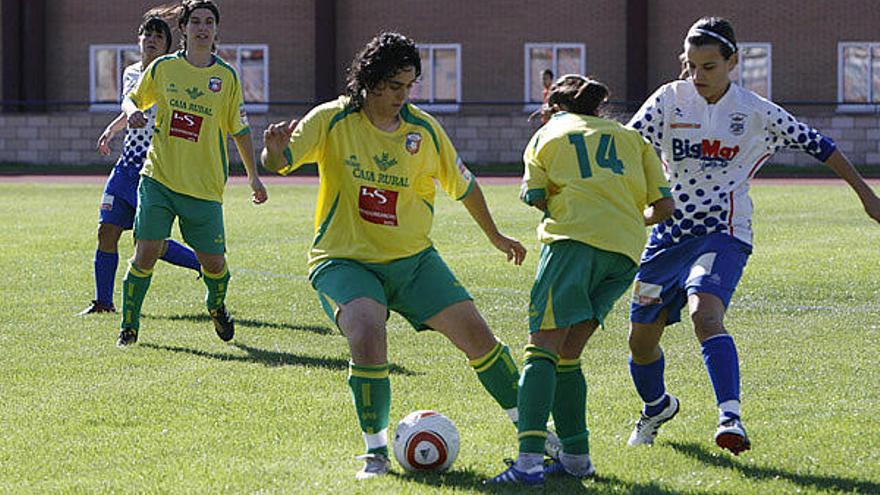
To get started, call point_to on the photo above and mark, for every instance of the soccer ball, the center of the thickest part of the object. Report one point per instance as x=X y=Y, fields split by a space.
x=425 y=441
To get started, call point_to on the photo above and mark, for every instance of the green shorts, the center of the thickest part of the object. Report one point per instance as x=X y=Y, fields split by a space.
x=200 y=220
x=575 y=283
x=417 y=287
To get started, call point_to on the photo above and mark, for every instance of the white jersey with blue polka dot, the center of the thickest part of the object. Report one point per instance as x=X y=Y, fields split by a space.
x=137 y=141
x=711 y=151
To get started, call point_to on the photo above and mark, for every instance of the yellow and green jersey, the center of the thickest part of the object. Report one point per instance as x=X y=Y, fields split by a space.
x=597 y=177
x=196 y=108
x=376 y=198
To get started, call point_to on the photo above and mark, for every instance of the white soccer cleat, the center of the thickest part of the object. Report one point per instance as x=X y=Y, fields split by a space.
x=646 y=427
x=732 y=436
x=374 y=465
x=552 y=446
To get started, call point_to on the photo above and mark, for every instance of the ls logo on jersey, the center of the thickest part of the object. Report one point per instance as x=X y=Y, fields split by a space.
x=710 y=153
x=737 y=123
x=215 y=84
x=185 y=125
x=413 y=142
x=378 y=206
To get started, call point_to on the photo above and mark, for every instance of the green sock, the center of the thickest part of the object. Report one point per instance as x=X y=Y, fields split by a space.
x=536 y=389
x=371 y=390
x=570 y=407
x=498 y=374
x=216 y=283
x=134 y=288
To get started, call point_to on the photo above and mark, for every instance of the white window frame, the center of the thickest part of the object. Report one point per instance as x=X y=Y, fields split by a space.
x=115 y=107
x=843 y=106
x=529 y=106
x=238 y=47
x=428 y=71
x=739 y=66
x=93 y=49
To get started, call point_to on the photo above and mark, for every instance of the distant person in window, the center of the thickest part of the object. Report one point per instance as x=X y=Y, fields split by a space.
x=544 y=111
x=199 y=101
x=119 y=200
x=714 y=136
x=378 y=157
x=598 y=184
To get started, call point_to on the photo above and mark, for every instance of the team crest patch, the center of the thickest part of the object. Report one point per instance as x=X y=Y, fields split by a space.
x=242 y=114
x=413 y=142
x=737 y=123
x=215 y=84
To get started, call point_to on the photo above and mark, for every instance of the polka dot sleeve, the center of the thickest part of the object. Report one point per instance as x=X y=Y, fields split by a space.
x=648 y=121
x=785 y=131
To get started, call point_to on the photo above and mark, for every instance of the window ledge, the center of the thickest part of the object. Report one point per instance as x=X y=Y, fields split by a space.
x=439 y=107
x=858 y=108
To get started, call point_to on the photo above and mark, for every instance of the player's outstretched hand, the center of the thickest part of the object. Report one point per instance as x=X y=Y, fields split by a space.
x=137 y=120
x=511 y=247
x=277 y=136
x=104 y=143
x=259 y=194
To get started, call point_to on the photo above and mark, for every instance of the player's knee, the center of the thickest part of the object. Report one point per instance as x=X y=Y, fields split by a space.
x=643 y=348
x=707 y=322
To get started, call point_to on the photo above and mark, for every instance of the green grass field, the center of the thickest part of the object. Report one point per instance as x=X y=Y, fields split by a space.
x=182 y=412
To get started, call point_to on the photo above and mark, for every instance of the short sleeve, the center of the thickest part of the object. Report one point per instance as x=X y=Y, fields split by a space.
x=236 y=116
x=648 y=121
x=452 y=174
x=785 y=131
x=144 y=94
x=657 y=186
x=129 y=80
x=534 y=185
x=307 y=141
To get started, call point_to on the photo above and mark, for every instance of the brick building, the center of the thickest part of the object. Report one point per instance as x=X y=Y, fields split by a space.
x=62 y=59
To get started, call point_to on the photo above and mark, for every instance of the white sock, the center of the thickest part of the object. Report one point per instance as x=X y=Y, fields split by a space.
x=728 y=408
x=376 y=440
x=513 y=414
x=578 y=465
x=530 y=463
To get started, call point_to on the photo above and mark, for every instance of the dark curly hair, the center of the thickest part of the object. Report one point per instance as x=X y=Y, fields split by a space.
x=713 y=31
x=381 y=59
x=577 y=94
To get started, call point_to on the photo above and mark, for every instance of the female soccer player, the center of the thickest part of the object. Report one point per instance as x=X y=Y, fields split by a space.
x=199 y=101
x=713 y=136
x=598 y=184
x=120 y=193
x=378 y=157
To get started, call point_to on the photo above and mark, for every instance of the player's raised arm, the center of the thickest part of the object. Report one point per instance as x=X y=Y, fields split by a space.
x=276 y=137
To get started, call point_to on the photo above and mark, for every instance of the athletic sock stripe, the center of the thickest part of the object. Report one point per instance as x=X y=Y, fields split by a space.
x=533 y=352
x=485 y=362
x=531 y=433
x=216 y=276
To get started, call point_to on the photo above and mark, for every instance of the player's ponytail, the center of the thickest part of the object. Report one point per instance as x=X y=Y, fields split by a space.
x=577 y=94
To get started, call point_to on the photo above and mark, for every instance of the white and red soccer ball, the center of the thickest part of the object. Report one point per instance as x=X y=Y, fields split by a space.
x=425 y=441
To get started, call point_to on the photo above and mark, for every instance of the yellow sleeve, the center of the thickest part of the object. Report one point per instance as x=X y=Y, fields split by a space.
x=534 y=186
x=655 y=180
x=307 y=141
x=144 y=94
x=236 y=120
x=452 y=174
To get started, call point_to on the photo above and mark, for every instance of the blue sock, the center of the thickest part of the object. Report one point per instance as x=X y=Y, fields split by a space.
x=722 y=363
x=648 y=379
x=105 y=276
x=180 y=255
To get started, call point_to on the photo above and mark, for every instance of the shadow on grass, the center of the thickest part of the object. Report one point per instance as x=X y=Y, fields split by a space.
x=202 y=317
x=270 y=358
x=468 y=480
x=848 y=485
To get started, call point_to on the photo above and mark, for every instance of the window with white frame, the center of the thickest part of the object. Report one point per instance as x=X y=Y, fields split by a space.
x=858 y=80
x=755 y=68
x=439 y=86
x=561 y=58
x=107 y=62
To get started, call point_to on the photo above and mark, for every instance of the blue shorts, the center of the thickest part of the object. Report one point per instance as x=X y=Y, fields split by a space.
x=119 y=201
x=668 y=275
